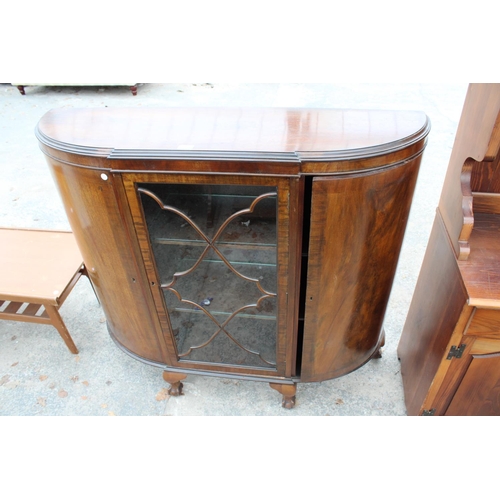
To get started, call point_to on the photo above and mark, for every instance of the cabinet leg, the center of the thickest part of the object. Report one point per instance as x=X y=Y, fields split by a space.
x=21 y=89
x=133 y=89
x=174 y=379
x=378 y=352
x=288 y=391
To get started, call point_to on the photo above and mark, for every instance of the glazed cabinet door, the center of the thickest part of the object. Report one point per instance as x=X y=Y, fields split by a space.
x=216 y=250
x=357 y=226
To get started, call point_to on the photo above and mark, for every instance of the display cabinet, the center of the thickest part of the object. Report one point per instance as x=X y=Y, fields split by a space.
x=239 y=242
x=450 y=346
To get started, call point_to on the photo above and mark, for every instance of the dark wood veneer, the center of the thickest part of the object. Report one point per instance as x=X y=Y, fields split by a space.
x=344 y=181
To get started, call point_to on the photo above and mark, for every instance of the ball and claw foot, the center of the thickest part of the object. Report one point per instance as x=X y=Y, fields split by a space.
x=176 y=389
x=288 y=391
x=174 y=379
x=288 y=402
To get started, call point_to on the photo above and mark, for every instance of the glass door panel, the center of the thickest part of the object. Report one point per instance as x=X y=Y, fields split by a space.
x=215 y=249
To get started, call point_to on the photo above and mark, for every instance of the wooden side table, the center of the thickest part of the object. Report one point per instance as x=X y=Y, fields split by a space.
x=38 y=269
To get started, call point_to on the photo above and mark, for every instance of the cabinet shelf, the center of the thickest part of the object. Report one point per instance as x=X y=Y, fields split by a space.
x=226 y=314
x=201 y=243
x=481 y=271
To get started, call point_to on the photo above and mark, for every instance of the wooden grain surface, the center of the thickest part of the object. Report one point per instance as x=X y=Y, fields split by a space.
x=485 y=322
x=285 y=255
x=37 y=265
x=479 y=391
x=481 y=272
x=276 y=133
x=437 y=304
x=97 y=220
x=97 y=156
x=357 y=228
x=477 y=138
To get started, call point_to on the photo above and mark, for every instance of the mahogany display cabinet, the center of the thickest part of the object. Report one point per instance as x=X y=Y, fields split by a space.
x=239 y=242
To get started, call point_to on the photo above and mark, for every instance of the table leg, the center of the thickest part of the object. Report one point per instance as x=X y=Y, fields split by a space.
x=61 y=328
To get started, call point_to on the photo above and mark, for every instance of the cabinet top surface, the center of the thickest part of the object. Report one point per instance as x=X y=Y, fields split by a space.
x=274 y=133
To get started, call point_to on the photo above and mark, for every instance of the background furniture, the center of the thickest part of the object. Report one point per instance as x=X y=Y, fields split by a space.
x=38 y=269
x=21 y=86
x=450 y=346
x=239 y=242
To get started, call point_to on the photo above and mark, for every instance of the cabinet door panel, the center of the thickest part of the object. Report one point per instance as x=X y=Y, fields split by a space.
x=357 y=228
x=111 y=256
x=217 y=250
x=479 y=391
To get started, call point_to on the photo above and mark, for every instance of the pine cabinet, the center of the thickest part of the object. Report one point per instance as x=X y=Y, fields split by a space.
x=239 y=242
x=450 y=345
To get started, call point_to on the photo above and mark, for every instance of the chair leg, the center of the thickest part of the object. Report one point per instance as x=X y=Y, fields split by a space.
x=61 y=328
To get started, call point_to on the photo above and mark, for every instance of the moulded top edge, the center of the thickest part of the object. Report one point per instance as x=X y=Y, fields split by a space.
x=287 y=134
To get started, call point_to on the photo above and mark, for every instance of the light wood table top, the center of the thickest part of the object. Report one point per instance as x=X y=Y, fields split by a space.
x=37 y=265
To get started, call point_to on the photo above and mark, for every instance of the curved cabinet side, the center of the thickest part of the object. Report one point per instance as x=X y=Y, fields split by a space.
x=100 y=231
x=357 y=229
